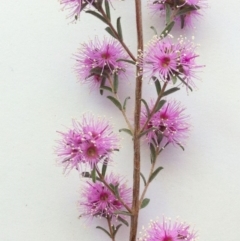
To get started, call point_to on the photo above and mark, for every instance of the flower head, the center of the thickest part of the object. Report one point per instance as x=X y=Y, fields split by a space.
x=167 y=60
x=88 y=142
x=169 y=124
x=169 y=231
x=98 y=200
x=98 y=59
x=190 y=9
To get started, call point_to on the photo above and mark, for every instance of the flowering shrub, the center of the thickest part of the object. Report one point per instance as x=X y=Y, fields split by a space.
x=89 y=145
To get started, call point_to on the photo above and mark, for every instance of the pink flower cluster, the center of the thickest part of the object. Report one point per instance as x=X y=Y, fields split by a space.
x=169 y=123
x=98 y=59
x=167 y=60
x=75 y=7
x=98 y=200
x=168 y=231
x=189 y=9
x=88 y=142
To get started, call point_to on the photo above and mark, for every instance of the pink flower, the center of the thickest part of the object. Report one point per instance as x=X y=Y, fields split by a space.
x=98 y=59
x=168 y=231
x=167 y=60
x=169 y=123
x=88 y=142
x=192 y=9
x=75 y=7
x=98 y=200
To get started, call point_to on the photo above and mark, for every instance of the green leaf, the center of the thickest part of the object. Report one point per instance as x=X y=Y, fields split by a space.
x=123 y=213
x=181 y=146
x=116 y=229
x=126 y=130
x=182 y=18
x=127 y=60
x=170 y=91
x=186 y=10
x=107 y=8
x=115 y=102
x=167 y=30
x=143 y=178
x=145 y=202
x=168 y=13
x=119 y=28
x=160 y=105
x=146 y=131
x=93 y=174
x=105 y=231
x=99 y=71
x=86 y=174
x=184 y=82
x=104 y=168
x=105 y=88
x=157 y=84
x=153 y=153
x=102 y=84
x=146 y=106
x=154 y=30
x=109 y=30
x=115 y=83
x=154 y=174
x=125 y=102
x=97 y=15
x=174 y=79
x=119 y=218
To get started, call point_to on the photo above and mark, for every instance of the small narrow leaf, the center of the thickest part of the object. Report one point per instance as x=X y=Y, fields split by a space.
x=154 y=174
x=104 y=230
x=116 y=229
x=115 y=102
x=181 y=146
x=104 y=168
x=107 y=8
x=182 y=18
x=125 y=102
x=143 y=178
x=93 y=175
x=160 y=105
x=157 y=85
x=123 y=213
x=146 y=106
x=127 y=60
x=189 y=9
x=86 y=174
x=170 y=91
x=109 y=30
x=102 y=84
x=167 y=30
x=145 y=202
x=153 y=153
x=154 y=30
x=146 y=131
x=99 y=71
x=106 y=88
x=174 y=79
x=119 y=218
x=115 y=83
x=97 y=15
x=119 y=28
x=168 y=13
x=126 y=130
x=184 y=82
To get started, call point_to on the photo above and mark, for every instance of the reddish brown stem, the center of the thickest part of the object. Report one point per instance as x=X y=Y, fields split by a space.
x=136 y=139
